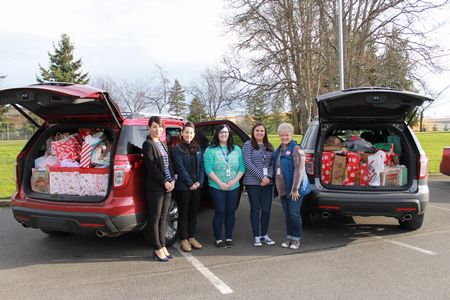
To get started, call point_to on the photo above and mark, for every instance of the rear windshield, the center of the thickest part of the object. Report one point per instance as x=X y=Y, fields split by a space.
x=132 y=138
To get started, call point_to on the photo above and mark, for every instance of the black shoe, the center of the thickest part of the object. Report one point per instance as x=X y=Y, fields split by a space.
x=157 y=258
x=170 y=256
x=220 y=244
x=229 y=244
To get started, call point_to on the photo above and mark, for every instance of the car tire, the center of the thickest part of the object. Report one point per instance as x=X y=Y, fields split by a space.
x=172 y=226
x=55 y=232
x=413 y=224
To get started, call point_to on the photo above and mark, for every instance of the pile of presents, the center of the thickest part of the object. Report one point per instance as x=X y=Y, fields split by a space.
x=357 y=162
x=74 y=164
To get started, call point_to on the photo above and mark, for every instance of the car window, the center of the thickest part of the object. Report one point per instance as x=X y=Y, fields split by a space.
x=205 y=133
x=132 y=138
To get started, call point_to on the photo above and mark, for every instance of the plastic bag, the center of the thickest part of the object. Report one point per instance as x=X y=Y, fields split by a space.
x=46 y=160
x=376 y=166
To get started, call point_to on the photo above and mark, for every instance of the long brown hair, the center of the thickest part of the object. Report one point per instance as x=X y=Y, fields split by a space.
x=192 y=146
x=266 y=143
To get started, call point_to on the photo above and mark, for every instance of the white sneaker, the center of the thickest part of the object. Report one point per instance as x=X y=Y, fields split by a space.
x=286 y=244
x=257 y=242
x=295 y=245
x=267 y=240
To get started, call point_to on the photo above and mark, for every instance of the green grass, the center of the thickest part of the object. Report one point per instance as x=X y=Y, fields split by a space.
x=8 y=153
x=432 y=143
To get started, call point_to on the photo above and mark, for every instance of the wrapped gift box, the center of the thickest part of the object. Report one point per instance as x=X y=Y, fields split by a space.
x=93 y=181
x=353 y=160
x=339 y=170
x=64 y=180
x=391 y=176
x=327 y=166
x=79 y=181
x=363 y=174
x=40 y=180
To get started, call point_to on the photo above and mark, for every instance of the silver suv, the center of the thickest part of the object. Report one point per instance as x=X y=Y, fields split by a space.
x=363 y=121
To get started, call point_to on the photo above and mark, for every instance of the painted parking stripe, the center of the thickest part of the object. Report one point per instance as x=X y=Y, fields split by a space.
x=421 y=250
x=216 y=281
x=438 y=207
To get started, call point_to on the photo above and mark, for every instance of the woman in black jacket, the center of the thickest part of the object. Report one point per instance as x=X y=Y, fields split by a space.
x=159 y=183
x=190 y=170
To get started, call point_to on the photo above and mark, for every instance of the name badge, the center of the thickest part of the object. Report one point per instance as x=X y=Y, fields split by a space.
x=228 y=172
x=278 y=171
x=265 y=172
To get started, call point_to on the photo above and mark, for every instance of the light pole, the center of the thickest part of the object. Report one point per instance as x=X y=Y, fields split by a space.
x=341 y=45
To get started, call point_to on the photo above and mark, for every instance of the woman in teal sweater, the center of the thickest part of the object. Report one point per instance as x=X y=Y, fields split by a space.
x=225 y=167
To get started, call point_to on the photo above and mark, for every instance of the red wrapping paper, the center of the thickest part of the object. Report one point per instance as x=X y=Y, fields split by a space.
x=353 y=160
x=327 y=165
x=363 y=174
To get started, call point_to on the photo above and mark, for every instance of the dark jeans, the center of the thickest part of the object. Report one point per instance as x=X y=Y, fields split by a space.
x=158 y=208
x=260 y=198
x=188 y=202
x=293 y=218
x=225 y=204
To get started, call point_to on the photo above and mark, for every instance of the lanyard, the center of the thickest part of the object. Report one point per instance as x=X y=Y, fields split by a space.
x=225 y=155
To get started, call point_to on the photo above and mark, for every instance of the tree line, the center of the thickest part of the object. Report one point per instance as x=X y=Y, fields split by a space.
x=284 y=54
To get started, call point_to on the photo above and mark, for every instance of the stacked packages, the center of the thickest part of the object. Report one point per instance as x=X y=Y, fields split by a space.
x=359 y=163
x=74 y=164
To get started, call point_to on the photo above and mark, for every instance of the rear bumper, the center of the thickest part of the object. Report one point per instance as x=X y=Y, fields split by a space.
x=388 y=204
x=77 y=222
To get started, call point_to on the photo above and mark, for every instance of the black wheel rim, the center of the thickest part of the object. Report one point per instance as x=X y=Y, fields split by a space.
x=172 y=221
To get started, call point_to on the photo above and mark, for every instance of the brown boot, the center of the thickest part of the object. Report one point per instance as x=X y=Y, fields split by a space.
x=195 y=244
x=185 y=246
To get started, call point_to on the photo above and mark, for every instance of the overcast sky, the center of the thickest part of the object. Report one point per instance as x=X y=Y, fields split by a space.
x=125 y=39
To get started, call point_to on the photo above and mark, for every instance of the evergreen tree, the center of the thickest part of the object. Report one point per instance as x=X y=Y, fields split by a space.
x=177 y=99
x=197 y=111
x=63 y=67
x=257 y=107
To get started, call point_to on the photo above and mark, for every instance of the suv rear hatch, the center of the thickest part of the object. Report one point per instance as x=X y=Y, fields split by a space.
x=67 y=110
x=364 y=142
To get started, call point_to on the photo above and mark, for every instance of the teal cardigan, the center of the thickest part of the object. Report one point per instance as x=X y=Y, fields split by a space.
x=215 y=160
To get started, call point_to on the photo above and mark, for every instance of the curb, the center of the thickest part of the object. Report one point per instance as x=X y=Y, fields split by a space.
x=5 y=202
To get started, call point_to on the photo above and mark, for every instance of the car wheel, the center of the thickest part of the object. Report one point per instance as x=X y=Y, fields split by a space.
x=172 y=226
x=413 y=224
x=55 y=232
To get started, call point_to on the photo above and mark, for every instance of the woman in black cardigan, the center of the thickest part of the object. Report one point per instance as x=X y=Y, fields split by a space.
x=188 y=161
x=159 y=183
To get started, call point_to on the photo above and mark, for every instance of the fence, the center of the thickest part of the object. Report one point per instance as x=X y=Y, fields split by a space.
x=14 y=135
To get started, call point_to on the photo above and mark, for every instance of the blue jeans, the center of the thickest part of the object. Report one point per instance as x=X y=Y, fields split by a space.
x=260 y=198
x=293 y=218
x=225 y=204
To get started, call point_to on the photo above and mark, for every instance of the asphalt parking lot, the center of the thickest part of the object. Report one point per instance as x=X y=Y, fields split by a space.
x=340 y=258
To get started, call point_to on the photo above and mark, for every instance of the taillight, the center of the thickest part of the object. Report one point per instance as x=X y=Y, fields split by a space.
x=309 y=163
x=120 y=174
x=423 y=166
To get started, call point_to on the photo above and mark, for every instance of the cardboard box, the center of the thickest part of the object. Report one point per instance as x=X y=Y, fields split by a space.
x=339 y=170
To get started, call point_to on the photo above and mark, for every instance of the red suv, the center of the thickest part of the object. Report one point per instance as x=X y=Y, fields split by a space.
x=120 y=206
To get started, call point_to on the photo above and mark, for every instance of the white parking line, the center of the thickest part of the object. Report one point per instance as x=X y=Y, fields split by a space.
x=424 y=251
x=216 y=281
x=435 y=206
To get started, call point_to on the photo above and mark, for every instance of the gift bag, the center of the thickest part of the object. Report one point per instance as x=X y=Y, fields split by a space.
x=67 y=148
x=85 y=159
x=40 y=180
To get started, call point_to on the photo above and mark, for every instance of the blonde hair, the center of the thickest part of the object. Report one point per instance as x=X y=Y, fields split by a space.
x=285 y=127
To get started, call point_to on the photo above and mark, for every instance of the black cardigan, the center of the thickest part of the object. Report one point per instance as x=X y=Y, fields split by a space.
x=154 y=164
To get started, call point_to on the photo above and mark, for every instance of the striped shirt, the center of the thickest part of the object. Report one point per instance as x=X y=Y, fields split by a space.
x=165 y=156
x=255 y=161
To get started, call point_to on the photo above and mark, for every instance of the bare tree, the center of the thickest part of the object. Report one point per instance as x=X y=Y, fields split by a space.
x=216 y=91
x=290 y=45
x=130 y=95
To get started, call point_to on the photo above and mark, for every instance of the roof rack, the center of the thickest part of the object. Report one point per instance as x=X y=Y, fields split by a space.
x=137 y=115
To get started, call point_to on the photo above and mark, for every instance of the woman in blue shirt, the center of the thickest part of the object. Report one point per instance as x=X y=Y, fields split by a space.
x=224 y=167
x=189 y=167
